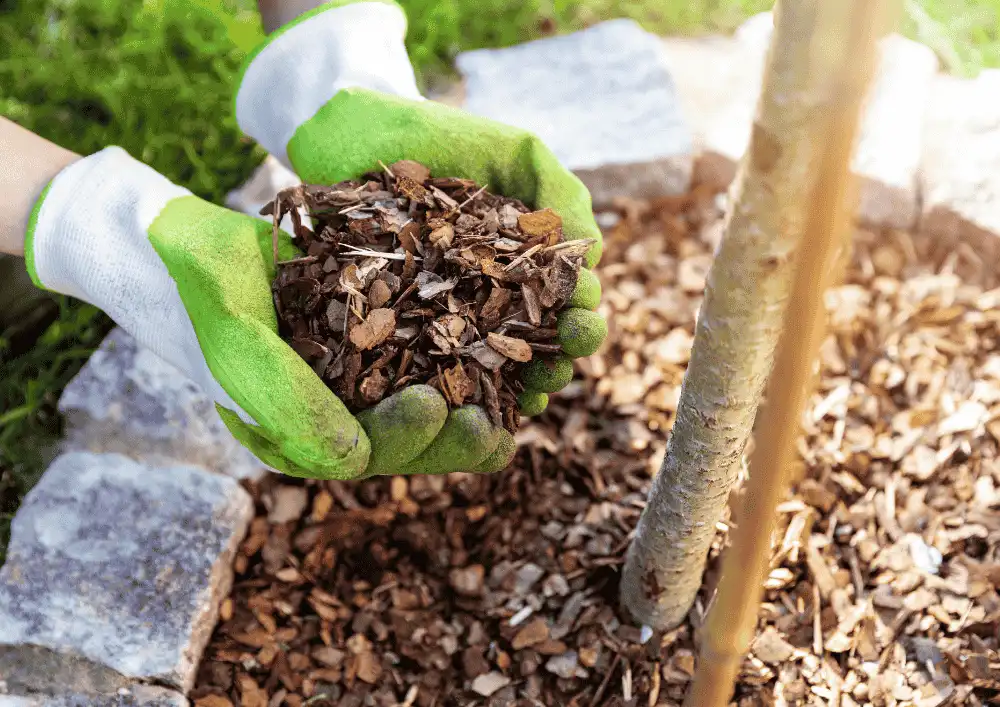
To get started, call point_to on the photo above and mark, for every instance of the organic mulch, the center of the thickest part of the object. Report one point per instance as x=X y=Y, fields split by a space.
x=502 y=590
x=408 y=278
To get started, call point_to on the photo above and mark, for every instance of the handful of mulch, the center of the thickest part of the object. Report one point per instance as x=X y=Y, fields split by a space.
x=410 y=279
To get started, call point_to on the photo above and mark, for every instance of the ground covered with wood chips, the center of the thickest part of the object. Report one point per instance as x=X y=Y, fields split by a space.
x=501 y=590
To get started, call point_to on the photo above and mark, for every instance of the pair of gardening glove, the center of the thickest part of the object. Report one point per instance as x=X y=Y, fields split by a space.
x=330 y=95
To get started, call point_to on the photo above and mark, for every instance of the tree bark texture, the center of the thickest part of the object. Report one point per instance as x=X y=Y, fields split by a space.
x=739 y=323
x=732 y=620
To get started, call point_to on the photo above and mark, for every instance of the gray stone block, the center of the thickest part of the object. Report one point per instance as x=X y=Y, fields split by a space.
x=136 y=696
x=128 y=401
x=114 y=572
x=960 y=171
x=26 y=669
x=602 y=99
x=887 y=157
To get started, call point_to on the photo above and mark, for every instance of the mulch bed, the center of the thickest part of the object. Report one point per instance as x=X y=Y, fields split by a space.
x=502 y=590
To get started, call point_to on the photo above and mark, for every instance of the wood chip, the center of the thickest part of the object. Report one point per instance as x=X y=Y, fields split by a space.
x=379 y=294
x=489 y=683
x=251 y=694
x=535 y=632
x=411 y=170
x=540 y=223
x=512 y=348
x=378 y=327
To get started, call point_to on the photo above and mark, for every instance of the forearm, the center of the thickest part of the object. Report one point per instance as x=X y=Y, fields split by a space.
x=27 y=163
x=276 y=13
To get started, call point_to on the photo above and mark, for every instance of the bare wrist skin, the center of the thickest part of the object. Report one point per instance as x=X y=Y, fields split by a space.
x=277 y=13
x=27 y=164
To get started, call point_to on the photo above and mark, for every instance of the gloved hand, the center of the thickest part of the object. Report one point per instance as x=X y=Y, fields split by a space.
x=191 y=281
x=332 y=94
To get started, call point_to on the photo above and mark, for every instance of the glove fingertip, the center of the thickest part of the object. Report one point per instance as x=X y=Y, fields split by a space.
x=581 y=332
x=532 y=402
x=587 y=293
x=501 y=457
x=548 y=376
x=467 y=439
x=402 y=426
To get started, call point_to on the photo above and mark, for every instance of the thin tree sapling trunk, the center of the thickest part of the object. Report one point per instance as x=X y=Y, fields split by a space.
x=732 y=620
x=739 y=323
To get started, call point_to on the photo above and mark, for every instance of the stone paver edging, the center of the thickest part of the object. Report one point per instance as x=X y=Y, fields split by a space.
x=115 y=572
x=120 y=555
x=128 y=401
x=602 y=99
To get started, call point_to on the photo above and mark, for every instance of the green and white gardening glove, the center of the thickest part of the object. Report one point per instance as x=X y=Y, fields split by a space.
x=333 y=93
x=191 y=282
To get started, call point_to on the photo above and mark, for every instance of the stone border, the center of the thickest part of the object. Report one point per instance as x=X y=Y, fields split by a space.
x=101 y=604
x=121 y=554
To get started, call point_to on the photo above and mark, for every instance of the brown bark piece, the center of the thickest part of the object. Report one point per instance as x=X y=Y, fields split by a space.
x=512 y=348
x=494 y=307
x=379 y=294
x=378 y=327
x=411 y=170
x=541 y=223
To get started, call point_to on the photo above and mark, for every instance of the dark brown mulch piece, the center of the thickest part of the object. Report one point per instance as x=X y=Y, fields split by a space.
x=410 y=279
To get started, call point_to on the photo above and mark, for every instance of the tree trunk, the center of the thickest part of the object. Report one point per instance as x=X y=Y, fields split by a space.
x=739 y=323
x=732 y=620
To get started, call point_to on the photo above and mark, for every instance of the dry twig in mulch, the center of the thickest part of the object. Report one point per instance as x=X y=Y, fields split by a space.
x=411 y=279
x=502 y=590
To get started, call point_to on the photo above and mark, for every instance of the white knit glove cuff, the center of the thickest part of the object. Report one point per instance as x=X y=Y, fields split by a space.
x=295 y=74
x=91 y=242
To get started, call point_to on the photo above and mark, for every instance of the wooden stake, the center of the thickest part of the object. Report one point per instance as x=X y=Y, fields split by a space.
x=843 y=35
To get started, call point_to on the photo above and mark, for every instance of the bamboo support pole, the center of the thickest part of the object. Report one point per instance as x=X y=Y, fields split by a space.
x=844 y=34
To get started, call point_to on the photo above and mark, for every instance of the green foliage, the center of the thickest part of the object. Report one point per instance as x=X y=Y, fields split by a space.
x=965 y=34
x=155 y=78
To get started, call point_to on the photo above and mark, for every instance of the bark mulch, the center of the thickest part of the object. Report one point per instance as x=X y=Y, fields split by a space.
x=409 y=279
x=501 y=590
